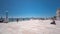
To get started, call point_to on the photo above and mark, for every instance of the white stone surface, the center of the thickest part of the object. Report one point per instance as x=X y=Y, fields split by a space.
x=30 y=27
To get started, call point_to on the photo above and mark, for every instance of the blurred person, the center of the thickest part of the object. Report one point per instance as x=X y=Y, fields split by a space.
x=53 y=22
x=17 y=19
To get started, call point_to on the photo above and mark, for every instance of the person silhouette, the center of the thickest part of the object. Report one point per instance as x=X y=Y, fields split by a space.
x=17 y=19
x=53 y=22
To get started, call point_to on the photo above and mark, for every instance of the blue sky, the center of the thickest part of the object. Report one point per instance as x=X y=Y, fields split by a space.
x=29 y=8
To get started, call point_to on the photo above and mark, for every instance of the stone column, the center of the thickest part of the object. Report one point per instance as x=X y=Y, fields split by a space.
x=58 y=14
